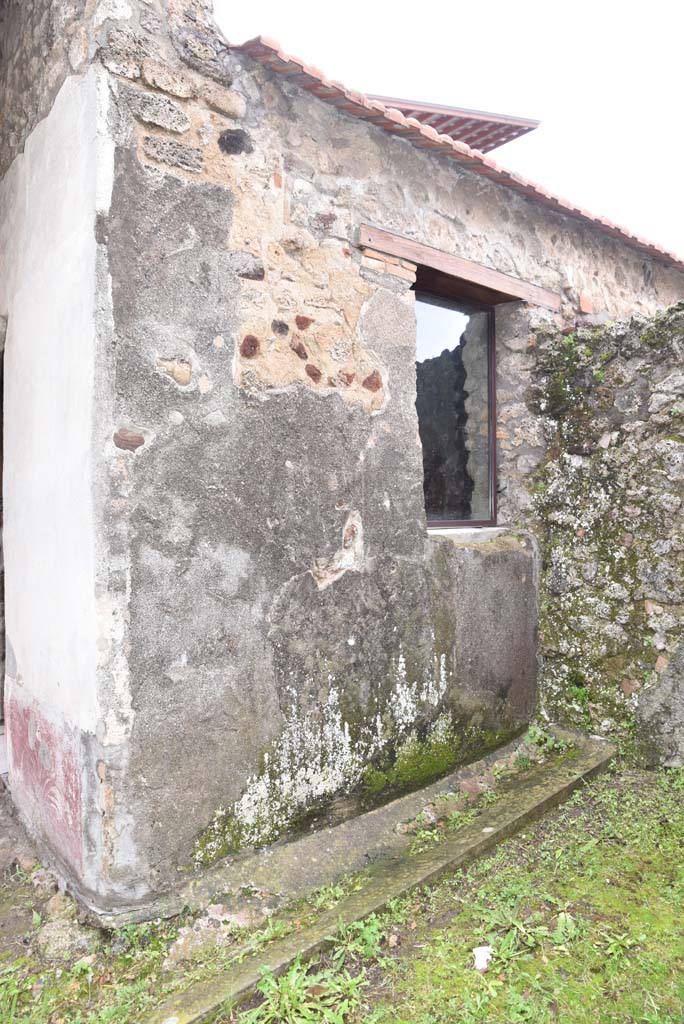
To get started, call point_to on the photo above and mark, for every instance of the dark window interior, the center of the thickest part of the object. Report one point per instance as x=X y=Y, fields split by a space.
x=455 y=404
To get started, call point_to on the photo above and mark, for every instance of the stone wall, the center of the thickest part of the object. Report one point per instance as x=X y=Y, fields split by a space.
x=440 y=403
x=608 y=503
x=452 y=401
x=476 y=365
x=272 y=630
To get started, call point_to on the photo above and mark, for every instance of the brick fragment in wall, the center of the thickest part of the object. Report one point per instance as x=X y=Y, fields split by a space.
x=297 y=346
x=303 y=322
x=313 y=372
x=373 y=382
x=158 y=110
x=250 y=346
x=175 y=154
x=373 y=254
x=224 y=101
x=246 y=265
x=371 y=263
x=234 y=141
x=128 y=440
x=159 y=76
x=405 y=273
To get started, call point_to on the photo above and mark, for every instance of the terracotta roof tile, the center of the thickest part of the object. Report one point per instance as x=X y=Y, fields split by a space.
x=424 y=136
x=477 y=128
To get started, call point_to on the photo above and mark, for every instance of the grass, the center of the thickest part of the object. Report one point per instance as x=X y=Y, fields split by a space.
x=112 y=987
x=584 y=916
x=129 y=973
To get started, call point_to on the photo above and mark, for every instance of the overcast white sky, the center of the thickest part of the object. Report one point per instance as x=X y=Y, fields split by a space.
x=606 y=78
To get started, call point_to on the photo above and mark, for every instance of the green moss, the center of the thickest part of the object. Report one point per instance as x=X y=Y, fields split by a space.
x=417 y=762
x=222 y=837
x=374 y=780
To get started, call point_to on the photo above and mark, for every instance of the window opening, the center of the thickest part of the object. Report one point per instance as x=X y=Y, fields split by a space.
x=455 y=402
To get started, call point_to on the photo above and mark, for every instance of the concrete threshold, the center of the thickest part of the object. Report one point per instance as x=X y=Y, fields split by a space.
x=527 y=799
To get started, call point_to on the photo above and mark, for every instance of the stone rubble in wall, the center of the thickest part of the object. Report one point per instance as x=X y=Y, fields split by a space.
x=607 y=505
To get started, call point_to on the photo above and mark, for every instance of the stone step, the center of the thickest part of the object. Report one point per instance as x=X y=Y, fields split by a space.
x=529 y=797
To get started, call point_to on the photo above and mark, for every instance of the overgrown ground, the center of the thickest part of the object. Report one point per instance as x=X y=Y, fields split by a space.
x=584 y=914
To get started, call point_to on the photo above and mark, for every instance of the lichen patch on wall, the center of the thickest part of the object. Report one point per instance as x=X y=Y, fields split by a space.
x=318 y=756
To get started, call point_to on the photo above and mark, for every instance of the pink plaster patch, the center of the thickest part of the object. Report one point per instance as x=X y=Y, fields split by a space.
x=45 y=777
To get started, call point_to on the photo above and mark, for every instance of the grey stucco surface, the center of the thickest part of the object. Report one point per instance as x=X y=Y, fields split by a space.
x=485 y=598
x=229 y=626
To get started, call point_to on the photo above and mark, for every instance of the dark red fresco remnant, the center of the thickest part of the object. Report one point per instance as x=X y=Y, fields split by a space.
x=45 y=766
x=250 y=346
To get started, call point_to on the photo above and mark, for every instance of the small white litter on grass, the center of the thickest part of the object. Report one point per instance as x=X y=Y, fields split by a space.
x=483 y=955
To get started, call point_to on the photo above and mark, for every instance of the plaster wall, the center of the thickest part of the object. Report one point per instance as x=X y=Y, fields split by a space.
x=48 y=203
x=41 y=43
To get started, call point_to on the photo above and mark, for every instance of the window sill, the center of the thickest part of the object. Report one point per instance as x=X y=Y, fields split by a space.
x=467 y=534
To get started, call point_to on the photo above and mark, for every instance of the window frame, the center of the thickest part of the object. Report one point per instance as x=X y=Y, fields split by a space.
x=490 y=310
x=461 y=279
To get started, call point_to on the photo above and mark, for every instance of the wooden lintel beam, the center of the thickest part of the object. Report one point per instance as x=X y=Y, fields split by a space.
x=508 y=287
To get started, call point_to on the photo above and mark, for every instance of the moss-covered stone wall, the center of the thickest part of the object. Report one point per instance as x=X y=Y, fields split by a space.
x=607 y=501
